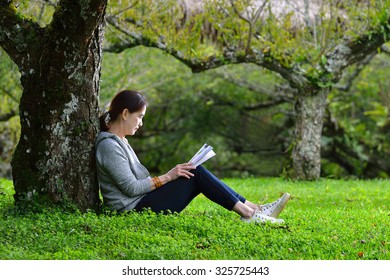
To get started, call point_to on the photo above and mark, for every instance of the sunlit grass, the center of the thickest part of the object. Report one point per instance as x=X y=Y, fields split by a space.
x=327 y=219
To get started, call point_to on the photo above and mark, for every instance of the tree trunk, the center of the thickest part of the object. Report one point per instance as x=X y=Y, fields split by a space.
x=60 y=71
x=310 y=107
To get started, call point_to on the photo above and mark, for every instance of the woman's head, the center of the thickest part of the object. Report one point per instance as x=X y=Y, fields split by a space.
x=131 y=100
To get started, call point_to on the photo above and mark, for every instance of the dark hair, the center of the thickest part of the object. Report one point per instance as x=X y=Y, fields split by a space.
x=125 y=99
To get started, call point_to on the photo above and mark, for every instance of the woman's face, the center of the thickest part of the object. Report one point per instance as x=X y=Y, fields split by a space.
x=133 y=121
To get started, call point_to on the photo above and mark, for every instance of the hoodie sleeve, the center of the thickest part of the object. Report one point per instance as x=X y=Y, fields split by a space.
x=113 y=162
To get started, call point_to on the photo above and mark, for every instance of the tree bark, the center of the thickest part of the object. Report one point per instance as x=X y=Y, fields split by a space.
x=310 y=108
x=60 y=71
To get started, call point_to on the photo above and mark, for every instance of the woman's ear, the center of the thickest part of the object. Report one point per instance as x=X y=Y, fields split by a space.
x=125 y=114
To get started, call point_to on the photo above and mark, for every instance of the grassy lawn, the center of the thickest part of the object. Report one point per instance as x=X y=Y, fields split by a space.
x=327 y=220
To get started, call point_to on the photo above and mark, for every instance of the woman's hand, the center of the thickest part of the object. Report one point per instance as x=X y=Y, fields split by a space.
x=181 y=170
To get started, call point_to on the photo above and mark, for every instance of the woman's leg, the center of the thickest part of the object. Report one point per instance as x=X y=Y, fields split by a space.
x=177 y=194
x=172 y=197
x=214 y=189
x=252 y=205
x=243 y=210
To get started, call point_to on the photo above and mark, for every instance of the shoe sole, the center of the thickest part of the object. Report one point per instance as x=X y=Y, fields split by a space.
x=280 y=207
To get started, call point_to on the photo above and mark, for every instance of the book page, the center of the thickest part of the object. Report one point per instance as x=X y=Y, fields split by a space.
x=198 y=152
x=205 y=152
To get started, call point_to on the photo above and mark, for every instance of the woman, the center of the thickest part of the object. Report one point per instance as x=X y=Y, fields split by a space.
x=126 y=184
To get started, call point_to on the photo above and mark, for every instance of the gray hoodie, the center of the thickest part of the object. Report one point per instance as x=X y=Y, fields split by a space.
x=123 y=179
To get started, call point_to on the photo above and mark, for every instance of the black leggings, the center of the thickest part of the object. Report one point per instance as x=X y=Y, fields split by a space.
x=176 y=195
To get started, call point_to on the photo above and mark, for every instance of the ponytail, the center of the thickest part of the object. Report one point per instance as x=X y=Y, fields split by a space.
x=104 y=121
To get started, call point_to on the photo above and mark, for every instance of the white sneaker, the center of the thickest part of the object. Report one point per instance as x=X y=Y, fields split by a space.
x=258 y=217
x=273 y=209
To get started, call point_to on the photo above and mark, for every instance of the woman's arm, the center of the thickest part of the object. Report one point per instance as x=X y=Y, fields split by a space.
x=180 y=170
x=114 y=163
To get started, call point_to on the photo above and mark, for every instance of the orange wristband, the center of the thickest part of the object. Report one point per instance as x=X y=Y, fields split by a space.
x=157 y=182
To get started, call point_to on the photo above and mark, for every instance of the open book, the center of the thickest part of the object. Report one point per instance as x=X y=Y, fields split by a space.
x=202 y=155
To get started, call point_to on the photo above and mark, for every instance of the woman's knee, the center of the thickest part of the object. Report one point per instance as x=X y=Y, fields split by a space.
x=200 y=169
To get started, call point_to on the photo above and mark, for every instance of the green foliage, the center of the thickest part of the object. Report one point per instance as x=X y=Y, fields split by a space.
x=6 y=194
x=41 y=12
x=10 y=88
x=293 y=37
x=364 y=116
x=325 y=220
x=185 y=110
x=10 y=92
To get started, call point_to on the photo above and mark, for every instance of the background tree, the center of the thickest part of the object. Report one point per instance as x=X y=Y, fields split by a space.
x=356 y=134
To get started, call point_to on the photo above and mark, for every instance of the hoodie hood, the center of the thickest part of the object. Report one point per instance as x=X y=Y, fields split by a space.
x=105 y=135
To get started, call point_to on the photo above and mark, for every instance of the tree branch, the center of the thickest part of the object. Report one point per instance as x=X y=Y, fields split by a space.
x=360 y=66
x=12 y=113
x=258 y=57
x=341 y=57
x=250 y=21
x=7 y=116
x=18 y=35
x=385 y=49
x=355 y=50
x=9 y=94
x=253 y=107
x=75 y=20
x=279 y=92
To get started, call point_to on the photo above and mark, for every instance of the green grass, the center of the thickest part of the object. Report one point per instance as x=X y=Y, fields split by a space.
x=327 y=220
